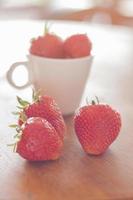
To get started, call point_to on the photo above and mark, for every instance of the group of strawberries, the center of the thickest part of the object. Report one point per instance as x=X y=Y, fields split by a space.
x=41 y=128
x=52 y=46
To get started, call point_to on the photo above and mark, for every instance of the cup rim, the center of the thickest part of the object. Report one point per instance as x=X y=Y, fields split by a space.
x=61 y=59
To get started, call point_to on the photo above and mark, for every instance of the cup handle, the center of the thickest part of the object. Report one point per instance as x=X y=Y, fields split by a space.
x=10 y=77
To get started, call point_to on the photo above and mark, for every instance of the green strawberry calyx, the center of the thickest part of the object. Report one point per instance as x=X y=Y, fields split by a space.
x=22 y=104
x=36 y=95
x=17 y=136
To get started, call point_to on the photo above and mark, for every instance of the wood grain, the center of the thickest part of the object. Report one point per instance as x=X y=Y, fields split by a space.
x=75 y=175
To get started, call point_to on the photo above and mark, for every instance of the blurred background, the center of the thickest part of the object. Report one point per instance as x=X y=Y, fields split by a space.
x=115 y=12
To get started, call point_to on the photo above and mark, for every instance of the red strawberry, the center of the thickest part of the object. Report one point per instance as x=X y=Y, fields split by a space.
x=97 y=126
x=45 y=107
x=39 y=140
x=77 y=46
x=49 y=45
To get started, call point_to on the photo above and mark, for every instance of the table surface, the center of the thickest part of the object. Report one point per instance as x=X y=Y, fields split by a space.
x=75 y=175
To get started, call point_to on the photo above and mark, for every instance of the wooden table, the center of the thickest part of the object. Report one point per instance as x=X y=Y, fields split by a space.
x=75 y=176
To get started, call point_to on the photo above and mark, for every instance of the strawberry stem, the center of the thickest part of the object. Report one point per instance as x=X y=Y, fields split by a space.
x=46 y=29
x=93 y=102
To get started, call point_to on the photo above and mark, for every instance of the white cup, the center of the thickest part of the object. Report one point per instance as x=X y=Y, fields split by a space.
x=63 y=79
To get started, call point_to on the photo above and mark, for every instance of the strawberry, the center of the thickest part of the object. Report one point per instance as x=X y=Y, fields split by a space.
x=77 y=46
x=38 y=140
x=45 y=107
x=49 y=45
x=96 y=126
